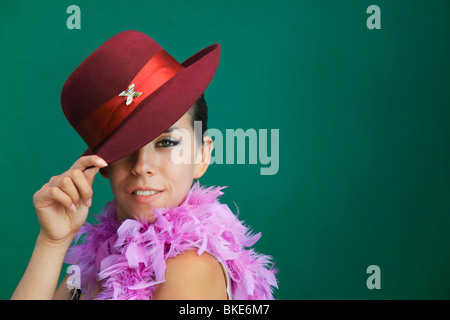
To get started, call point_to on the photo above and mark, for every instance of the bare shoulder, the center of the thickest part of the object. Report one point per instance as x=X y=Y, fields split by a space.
x=191 y=276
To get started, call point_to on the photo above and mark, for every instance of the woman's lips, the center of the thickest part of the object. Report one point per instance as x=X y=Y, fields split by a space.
x=145 y=196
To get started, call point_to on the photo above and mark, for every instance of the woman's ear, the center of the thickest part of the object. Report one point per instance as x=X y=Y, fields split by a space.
x=104 y=172
x=202 y=164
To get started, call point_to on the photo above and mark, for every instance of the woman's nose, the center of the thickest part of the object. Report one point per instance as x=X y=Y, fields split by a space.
x=145 y=161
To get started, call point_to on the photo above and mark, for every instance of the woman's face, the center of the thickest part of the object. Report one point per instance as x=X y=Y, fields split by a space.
x=154 y=176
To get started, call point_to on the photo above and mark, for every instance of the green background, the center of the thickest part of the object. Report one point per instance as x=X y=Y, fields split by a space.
x=363 y=116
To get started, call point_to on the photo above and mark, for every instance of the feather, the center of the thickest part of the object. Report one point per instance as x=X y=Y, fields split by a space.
x=129 y=257
x=135 y=255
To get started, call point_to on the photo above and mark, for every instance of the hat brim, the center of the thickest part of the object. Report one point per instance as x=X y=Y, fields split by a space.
x=160 y=110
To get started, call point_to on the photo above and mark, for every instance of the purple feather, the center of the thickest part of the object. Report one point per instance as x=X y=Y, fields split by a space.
x=129 y=258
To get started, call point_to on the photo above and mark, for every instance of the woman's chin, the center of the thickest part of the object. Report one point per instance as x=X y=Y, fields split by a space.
x=146 y=215
x=141 y=214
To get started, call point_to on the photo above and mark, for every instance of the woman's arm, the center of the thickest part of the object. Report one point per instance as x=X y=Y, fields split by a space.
x=41 y=276
x=62 y=206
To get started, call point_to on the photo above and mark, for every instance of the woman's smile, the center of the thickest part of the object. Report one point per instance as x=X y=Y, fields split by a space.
x=145 y=196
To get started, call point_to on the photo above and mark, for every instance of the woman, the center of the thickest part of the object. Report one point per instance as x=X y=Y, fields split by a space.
x=162 y=237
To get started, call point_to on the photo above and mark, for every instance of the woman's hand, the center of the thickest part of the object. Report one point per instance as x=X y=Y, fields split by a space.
x=62 y=204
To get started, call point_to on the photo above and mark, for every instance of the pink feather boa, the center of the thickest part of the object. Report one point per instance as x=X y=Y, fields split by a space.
x=129 y=258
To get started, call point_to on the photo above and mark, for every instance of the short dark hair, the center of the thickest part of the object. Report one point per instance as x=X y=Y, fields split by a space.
x=199 y=112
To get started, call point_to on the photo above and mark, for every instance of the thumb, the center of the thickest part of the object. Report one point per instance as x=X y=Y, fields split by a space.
x=90 y=174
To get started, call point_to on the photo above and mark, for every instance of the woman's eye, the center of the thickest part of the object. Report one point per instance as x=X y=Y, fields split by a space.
x=167 y=143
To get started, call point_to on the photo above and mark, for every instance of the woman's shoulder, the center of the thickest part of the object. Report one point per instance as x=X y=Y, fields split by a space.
x=192 y=276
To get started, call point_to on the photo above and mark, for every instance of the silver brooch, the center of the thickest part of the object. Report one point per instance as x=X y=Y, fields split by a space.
x=130 y=94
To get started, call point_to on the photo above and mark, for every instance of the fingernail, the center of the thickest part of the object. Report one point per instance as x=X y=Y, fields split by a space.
x=89 y=203
x=73 y=208
x=102 y=162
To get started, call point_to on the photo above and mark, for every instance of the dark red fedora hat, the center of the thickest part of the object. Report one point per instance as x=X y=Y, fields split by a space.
x=130 y=90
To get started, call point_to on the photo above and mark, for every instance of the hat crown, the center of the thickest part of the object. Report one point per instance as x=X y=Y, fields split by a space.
x=105 y=73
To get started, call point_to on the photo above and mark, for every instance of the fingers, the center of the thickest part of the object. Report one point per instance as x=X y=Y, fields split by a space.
x=59 y=196
x=90 y=173
x=83 y=173
x=75 y=185
x=68 y=187
x=89 y=161
x=79 y=188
